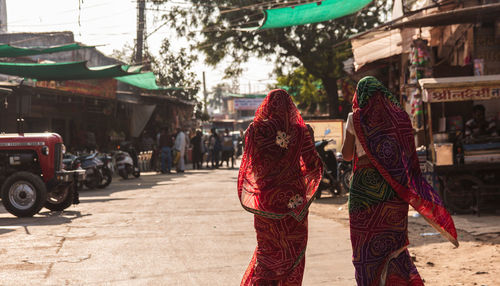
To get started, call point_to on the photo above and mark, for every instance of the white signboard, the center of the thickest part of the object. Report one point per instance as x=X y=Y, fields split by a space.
x=247 y=103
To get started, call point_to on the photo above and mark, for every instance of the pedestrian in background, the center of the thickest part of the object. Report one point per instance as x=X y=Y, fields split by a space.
x=165 y=143
x=215 y=148
x=387 y=178
x=279 y=175
x=180 y=146
x=197 y=143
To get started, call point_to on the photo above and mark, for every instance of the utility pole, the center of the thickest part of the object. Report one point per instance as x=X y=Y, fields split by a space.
x=141 y=23
x=205 y=94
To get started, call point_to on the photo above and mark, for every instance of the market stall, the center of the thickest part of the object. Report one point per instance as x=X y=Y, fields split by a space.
x=463 y=158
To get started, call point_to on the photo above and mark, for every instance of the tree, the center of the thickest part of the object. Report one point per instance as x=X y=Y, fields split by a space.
x=305 y=89
x=126 y=54
x=216 y=99
x=173 y=68
x=311 y=45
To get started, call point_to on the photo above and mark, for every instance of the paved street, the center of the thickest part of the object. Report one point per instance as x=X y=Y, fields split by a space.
x=184 y=229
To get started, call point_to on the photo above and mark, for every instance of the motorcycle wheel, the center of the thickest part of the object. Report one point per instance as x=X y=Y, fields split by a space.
x=345 y=179
x=92 y=180
x=123 y=173
x=107 y=177
x=61 y=198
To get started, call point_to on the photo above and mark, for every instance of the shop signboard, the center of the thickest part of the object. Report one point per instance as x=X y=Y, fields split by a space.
x=445 y=94
x=329 y=129
x=102 y=88
x=247 y=103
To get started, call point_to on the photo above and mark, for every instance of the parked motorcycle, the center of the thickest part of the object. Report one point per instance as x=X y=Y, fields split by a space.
x=126 y=161
x=98 y=175
x=329 y=180
x=344 y=172
x=106 y=169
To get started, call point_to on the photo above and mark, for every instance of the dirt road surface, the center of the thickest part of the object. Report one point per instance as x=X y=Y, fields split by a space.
x=184 y=229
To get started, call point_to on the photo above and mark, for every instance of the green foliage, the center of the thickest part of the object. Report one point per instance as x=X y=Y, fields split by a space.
x=126 y=54
x=216 y=98
x=310 y=46
x=174 y=69
x=305 y=89
x=200 y=114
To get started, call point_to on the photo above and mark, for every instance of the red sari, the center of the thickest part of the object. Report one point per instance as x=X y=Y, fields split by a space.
x=279 y=174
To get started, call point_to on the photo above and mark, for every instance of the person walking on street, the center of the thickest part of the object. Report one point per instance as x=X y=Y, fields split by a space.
x=279 y=175
x=387 y=179
x=165 y=142
x=180 y=146
x=196 y=142
x=215 y=148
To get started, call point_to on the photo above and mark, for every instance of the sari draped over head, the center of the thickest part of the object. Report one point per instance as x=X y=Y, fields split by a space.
x=384 y=130
x=381 y=191
x=279 y=175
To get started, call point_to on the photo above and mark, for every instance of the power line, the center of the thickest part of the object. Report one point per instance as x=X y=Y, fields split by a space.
x=72 y=22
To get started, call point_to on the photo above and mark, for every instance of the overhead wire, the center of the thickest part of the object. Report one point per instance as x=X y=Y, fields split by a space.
x=58 y=13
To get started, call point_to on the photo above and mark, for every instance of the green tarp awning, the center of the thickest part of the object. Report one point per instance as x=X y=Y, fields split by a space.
x=8 y=51
x=309 y=13
x=146 y=81
x=65 y=71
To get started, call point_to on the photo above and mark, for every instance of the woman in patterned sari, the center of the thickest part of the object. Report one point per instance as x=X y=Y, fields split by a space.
x=279 y=174
x=387 y=179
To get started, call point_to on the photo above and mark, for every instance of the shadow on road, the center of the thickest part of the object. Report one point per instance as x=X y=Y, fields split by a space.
x=84 y=201
x=4 y=231
x=9 y=224
x=331 y=200
x=45 y=217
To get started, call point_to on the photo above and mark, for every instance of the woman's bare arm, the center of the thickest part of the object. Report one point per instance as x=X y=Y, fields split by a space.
x=348 y=147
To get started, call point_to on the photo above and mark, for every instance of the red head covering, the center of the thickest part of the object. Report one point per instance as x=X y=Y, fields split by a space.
x=280 y=170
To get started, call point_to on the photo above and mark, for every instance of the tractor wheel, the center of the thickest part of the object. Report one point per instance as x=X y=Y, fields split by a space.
x=60 y=198
x=24 y=194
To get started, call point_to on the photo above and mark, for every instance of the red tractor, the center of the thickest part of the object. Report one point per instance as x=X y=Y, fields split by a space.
x=31 y=174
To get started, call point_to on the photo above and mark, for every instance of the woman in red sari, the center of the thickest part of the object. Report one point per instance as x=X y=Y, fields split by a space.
x=279 y=174
x=387 y=179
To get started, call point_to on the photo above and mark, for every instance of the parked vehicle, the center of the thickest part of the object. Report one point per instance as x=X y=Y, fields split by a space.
x=329 y=180
x=126 y=161
x=107 y=169
x=98 y=174
x=344 y=172
x=32 y=174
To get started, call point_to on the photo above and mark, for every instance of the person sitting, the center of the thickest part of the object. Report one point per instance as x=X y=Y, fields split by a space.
x=478 y=125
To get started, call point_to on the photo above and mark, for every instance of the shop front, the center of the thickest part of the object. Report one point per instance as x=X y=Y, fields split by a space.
x=462 y=143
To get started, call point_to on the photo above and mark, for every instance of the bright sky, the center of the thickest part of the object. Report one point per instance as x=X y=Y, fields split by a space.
x=112 y=23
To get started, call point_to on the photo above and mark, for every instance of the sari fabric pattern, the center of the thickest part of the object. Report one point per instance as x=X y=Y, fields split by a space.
x=279 y=175
x=271 y=175
x=381 y=191
x=379 y=229
x=385 y=132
